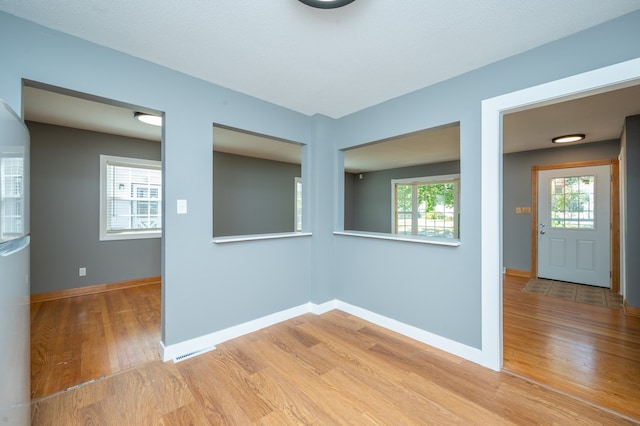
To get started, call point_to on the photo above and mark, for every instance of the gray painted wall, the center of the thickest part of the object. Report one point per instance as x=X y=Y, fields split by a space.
x=209 y=287
x=437 y=288
x=252 y=195
x=65 y=190
x=323 y=178
x=206 y=287
x=371 y=198
x=517 y=192
x=632 y=125
x=349 y=196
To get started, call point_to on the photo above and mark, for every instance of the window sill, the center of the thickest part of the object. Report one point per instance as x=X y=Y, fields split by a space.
x=406 y=238
x=129 y=236
x=240 y=238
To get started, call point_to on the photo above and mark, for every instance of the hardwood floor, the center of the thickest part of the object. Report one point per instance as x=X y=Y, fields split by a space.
x=78 y=339
x=329 y=369
x=588 y=351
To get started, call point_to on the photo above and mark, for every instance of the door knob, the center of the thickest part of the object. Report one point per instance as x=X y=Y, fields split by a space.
x=542 y=232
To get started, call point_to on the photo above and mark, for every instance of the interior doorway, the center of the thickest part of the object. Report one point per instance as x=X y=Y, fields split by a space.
x=86 y=290
x=618 y=76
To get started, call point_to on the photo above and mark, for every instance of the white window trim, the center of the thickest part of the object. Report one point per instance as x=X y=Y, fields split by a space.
x=436 y=241
x=259 y=237
x=297 y=227
x=104 y=235
x=426 y=180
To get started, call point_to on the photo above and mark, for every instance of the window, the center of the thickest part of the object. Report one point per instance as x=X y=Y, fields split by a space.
x=11 y=196
x=426 y=206
x=298 y=204
x=130 y=198
x=573 y=203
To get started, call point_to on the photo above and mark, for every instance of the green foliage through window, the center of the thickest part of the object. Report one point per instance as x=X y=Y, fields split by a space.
x=572 y=202
x=427 y=207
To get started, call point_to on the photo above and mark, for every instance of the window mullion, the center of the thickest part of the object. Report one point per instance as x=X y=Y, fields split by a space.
x=395 y=208
x=414 y=209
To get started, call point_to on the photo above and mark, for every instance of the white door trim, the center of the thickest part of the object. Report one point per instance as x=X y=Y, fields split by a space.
x=601 y=80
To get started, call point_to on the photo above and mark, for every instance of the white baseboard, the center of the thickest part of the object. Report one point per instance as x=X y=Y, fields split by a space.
x=323 y=308
x=439 y=342
x=208 y=342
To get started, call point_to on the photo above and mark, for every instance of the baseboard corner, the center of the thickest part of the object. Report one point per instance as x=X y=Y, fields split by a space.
x=630 y=310
x=517 y=273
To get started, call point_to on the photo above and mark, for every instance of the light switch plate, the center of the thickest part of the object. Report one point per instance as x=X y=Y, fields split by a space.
x=182 y=206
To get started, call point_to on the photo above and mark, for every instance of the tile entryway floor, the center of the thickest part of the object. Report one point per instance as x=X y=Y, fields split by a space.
x=577 y=292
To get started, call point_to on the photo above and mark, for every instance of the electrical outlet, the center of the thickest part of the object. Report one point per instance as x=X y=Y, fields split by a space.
x=82 y=272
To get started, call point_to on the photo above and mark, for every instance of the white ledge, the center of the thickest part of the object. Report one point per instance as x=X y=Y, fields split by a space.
x=239 y=238
x=451 y=242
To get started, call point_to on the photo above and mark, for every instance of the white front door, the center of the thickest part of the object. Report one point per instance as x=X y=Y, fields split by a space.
x=574 y=225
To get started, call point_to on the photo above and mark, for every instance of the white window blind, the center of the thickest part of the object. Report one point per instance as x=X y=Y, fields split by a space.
x=131 y=196
x=12 y=196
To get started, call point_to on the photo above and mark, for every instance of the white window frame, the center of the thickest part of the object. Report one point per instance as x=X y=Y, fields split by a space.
x=127 y=162
x=12 y=194
x=297 y=209
x=427 y=180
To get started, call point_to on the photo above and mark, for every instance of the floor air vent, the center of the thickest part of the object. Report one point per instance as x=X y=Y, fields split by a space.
x=192 y=354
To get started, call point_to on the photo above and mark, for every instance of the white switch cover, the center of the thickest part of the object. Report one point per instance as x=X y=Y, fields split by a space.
x=182 y=206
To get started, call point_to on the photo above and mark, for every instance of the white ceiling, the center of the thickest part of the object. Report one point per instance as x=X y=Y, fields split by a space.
x=73 y=110
x=333 y=62
x=238 y=142
x=600 y=117
x=436 y=145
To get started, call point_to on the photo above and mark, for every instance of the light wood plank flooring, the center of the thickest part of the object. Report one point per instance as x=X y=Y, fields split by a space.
x=588 y=351
x=329 y=369
x=79 y=339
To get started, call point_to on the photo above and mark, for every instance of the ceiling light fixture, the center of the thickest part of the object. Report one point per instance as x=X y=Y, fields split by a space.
x=154 y=120
x=326 y=4
x=568 y=138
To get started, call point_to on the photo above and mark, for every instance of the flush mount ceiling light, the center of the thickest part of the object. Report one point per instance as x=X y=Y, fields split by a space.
x=568 y=138
x=326 y=4
x=154 y=120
